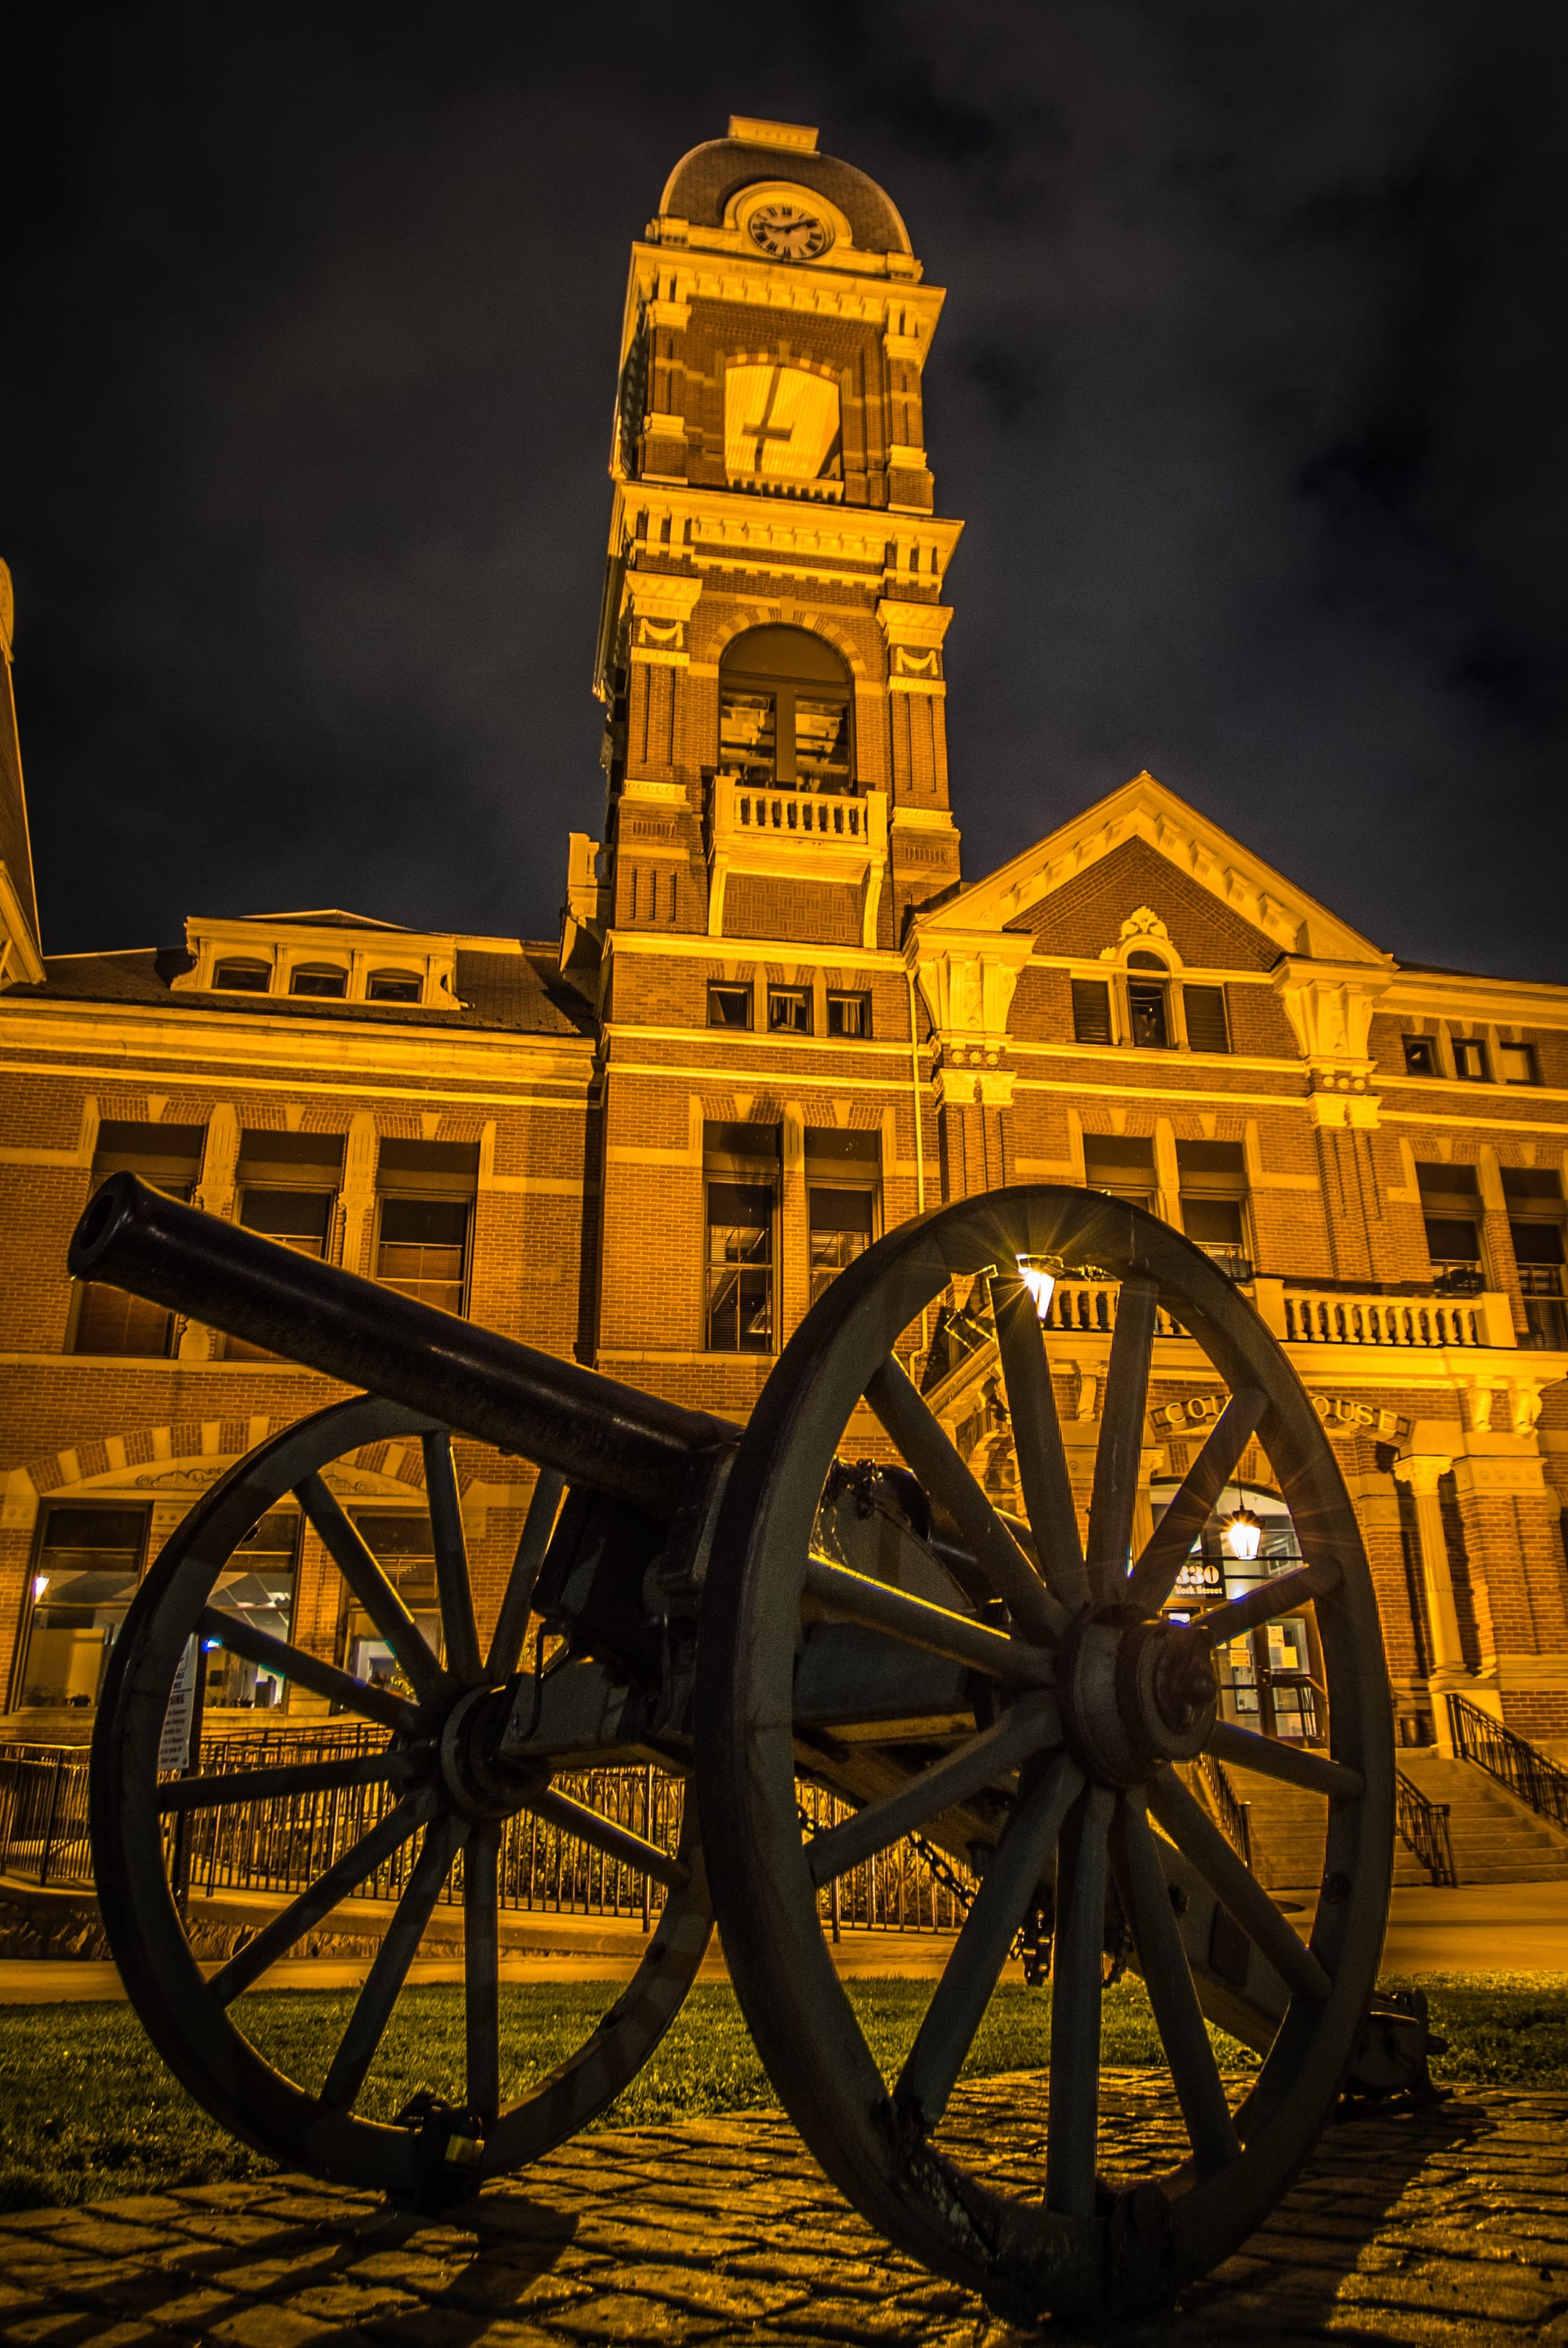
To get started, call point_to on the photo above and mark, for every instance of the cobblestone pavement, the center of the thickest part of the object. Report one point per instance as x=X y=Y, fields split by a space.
x=1446 y=2226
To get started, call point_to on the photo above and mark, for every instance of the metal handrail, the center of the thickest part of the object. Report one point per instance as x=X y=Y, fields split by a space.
x=1235 y=1815
x=1513 y=1760
x=1424 y=1829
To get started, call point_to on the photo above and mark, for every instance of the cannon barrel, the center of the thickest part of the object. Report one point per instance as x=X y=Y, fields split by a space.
x=589 y=1427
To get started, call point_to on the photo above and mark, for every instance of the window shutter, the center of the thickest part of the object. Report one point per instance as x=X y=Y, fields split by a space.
x=1091 y=1011
x=1207 y=1028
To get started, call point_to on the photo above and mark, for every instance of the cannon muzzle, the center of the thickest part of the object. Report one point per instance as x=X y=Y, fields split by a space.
x=590 y=1428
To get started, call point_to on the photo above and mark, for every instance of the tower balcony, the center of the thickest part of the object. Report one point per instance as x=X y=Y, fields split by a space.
x=777 y=832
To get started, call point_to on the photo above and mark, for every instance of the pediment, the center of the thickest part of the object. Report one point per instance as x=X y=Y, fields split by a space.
x=1151 y=833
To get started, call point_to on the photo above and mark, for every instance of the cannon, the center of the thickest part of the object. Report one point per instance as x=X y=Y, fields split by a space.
x=755 y=1609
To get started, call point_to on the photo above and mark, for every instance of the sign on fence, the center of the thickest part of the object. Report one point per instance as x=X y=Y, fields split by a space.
x=174 y=1744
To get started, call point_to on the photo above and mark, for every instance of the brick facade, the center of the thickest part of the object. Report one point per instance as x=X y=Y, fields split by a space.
x=770 y=982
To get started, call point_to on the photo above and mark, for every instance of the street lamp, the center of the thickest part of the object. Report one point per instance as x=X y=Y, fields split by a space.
x=1039 y=1280
x=1243 y=1534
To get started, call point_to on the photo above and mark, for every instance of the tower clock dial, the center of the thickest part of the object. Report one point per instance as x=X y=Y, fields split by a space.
x=789 y=233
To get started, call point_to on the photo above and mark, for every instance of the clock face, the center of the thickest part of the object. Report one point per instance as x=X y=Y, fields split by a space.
x=789 y=233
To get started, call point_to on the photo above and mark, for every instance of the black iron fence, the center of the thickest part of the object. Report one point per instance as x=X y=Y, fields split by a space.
x=1424 y=1829
x=1512 y=1760
x=1235 y=1815
x=279 y=1845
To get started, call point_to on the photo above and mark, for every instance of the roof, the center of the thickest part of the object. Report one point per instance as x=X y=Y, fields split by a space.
x=517 y=994
x=705 y=181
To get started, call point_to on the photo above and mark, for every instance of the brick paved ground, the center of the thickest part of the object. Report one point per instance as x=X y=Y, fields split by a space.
x=1447 y=2227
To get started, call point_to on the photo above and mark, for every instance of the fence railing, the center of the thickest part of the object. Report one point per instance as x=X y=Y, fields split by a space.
x=1235 y=1817
x=279 y=1845
x=44 y=1814
x=1510 y=1759
x=1089 y=1306
x=1424 y=1829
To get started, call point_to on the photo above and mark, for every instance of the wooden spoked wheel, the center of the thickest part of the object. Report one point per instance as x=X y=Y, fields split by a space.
x=1063 y=1789
x=442 y=1798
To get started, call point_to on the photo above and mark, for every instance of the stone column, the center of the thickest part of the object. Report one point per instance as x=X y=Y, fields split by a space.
x=1421 y=1471
x=215 y=1195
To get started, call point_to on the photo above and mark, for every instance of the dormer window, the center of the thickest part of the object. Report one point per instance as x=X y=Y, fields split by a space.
x=243 y=977
x=394 y=986
x=784 y=712
x=320 y=978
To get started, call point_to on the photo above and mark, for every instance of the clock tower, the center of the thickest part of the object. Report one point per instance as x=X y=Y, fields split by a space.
x=770 y=648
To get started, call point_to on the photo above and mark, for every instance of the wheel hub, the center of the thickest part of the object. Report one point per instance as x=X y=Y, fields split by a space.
x=1134 y=1695
x=478 y=1785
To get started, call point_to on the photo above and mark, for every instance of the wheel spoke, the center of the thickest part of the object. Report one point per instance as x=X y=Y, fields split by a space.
x=482 y=1954
x=1031 y=1723
x=1171 y=1543
x=1281 y=1594
x=389 y=1967
x=226 y=1785
x=1072 y=2120
x=452 y=1579
x=511 y=1623
x=877 y=1606
x=362 y=1859
x=370 y=1585
x=1117 y=1460
x=1268 y=1757
x=926 y=1449
x=1168 y=1978
x=1236 y=1889
x=615 y=1841
x=241 y=1638
x=1013 y=1876
x=1038 y=1441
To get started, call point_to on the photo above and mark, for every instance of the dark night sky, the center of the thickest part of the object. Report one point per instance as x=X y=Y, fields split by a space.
x=1249 y=389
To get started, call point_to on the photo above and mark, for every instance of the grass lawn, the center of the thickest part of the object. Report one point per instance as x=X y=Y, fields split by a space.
x=88 y=2110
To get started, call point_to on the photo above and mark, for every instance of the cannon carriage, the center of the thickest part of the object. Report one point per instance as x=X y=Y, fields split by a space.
x=757 y=1607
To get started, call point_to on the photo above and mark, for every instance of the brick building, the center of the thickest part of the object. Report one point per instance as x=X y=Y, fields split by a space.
x=775 y=1023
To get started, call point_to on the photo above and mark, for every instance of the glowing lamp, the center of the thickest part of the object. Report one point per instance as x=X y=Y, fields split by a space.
x=40 y=1583
x=1040 y=1282
x=210 y=1646
x=1243 y=1535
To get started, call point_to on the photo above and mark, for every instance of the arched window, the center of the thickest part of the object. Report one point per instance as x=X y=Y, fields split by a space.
x=394 y=986
x=784 y=711
x=243 y=977
x=319 y=978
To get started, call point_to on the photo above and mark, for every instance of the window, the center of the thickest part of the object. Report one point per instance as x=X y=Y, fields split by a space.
x=741 y=1163
x=841 y=1224
x=402 y=1546
x=781 y=429
x=842 y=1175
x=849 y=1015
x=288 y=1185
x=1470 y=1060
x=1421 y=1055
x=1536 y=1218
x=790 y=1010
x=394 y=986
x=108 y=1320
x=1146 y=1014
x=1207 y=1029
x=427 y=1193
x=1450 y=1204
x=88 y=1564
x=1516 y=1064
x=422 y=1250
x=728 y=1007
x=245 y=977
x=784 y=711
x=257 y=1585
x=1213 y=1176
x=1091 y=1011
x=1119 y=1165
x=326 y=979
